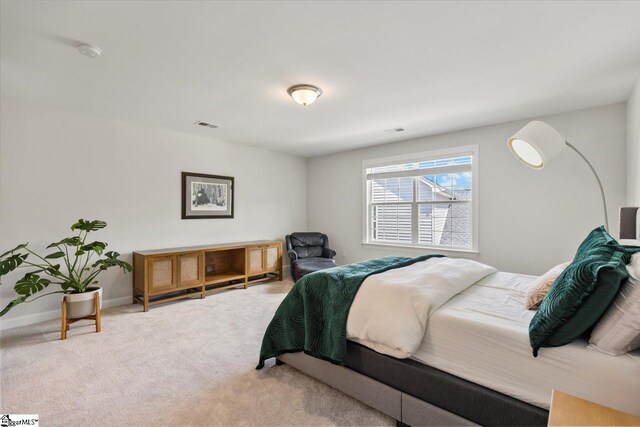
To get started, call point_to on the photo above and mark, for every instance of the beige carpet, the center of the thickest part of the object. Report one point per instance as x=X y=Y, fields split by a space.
x=185 y=363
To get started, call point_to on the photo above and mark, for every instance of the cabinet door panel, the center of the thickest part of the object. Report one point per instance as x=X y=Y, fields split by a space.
x=190 y=269
x=162 y=273
x=256 y=260
x=272 y=258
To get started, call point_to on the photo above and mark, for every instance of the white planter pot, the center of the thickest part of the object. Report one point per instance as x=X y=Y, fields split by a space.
x=82 y=305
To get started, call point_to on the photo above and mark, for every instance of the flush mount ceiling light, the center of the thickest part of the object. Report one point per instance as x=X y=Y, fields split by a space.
x=304 y=94
x=89 y=50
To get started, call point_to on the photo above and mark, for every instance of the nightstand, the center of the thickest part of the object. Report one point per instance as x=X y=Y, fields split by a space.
x=568 y=410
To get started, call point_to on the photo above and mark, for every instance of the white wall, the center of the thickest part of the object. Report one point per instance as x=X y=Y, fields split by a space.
x=528 y=220
x=56 y=167
x=633 y=147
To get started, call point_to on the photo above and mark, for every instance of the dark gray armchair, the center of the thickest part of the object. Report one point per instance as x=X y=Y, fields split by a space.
x=309 y=252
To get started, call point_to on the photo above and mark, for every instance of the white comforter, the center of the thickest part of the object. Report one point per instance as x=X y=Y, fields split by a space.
x=390 y=311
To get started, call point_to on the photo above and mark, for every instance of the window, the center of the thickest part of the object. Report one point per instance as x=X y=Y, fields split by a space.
x=425 y=200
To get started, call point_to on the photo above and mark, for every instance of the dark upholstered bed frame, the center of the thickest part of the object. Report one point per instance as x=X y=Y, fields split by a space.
x=629 y=223
x=418 y=395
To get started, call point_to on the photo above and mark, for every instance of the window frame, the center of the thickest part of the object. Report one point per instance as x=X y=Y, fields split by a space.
x=437 y=154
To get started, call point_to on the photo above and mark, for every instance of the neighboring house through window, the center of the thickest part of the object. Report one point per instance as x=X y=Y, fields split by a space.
x=423 y=200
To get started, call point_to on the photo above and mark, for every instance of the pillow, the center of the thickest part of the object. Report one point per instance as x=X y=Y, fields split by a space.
x=629 y=242
x=619 y=329
x=541 y=285
x=582 y=293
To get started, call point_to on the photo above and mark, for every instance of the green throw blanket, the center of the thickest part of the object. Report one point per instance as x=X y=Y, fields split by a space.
x=313 y=316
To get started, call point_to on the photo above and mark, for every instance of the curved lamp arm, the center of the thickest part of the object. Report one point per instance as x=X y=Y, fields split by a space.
x=604 y=201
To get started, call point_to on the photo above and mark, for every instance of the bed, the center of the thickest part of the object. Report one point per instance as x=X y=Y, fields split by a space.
x=474 y=364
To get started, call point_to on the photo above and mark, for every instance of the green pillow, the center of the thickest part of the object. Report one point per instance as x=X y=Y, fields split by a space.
x=582 y=293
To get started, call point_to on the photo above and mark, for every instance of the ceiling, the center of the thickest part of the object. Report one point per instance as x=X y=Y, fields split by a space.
x=428 y=67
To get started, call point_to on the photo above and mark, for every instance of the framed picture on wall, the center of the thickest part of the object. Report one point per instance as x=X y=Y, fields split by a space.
x=206 y=196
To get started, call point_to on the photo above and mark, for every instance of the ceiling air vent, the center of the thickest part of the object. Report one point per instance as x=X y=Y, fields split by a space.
x=207 y=125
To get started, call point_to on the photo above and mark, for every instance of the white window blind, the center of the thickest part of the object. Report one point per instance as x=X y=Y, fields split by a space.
x=426 y=203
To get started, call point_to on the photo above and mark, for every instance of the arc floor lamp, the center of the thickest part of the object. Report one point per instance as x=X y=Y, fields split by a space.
x=538 y=143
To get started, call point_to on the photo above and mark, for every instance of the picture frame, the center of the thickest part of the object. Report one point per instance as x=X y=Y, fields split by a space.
x=207 y=196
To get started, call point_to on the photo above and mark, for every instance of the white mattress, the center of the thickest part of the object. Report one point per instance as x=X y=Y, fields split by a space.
x=482 y=335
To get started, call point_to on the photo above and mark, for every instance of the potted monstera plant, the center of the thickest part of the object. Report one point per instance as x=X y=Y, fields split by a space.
x=73 y=263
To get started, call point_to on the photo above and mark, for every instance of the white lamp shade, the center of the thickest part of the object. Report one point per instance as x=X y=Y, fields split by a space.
x=304 y=94
x=536 y=144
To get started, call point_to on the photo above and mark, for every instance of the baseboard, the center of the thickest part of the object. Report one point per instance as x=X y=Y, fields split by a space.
x=30 y=319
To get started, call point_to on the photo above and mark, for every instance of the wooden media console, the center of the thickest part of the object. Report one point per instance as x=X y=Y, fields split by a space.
x=163 y=275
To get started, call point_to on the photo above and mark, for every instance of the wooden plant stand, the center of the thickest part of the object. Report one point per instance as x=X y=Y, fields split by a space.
x=66 y=322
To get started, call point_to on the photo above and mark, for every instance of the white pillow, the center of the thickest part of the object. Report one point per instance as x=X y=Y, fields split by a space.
x=618 y=331
x=629 y=242
x=540 y=287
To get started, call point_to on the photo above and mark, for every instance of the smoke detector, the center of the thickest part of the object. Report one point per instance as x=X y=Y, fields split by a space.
x=90 y=50
x=394 y=130
x=207 y=125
